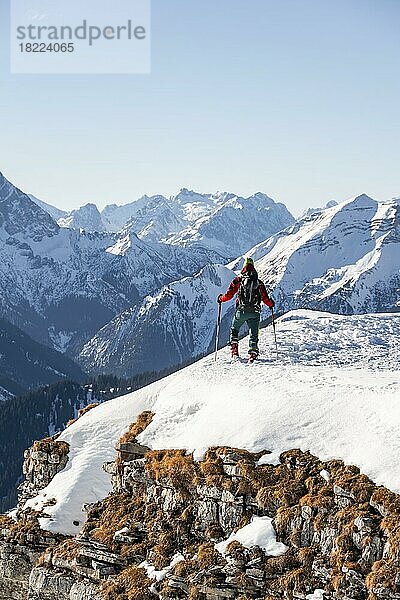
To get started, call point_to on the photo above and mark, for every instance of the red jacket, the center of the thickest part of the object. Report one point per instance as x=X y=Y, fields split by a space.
x=234 y=288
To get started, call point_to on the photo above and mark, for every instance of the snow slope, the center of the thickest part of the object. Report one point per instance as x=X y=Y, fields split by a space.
x=53 y=211
x=333 y=391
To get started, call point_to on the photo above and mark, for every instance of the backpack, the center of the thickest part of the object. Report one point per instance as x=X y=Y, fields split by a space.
x=249 y=296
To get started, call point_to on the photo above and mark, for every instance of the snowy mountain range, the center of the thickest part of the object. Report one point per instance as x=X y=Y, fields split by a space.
x=60 y=285
x=343 y=259
x=222 y=222
x=139 y=298
x=233 y=223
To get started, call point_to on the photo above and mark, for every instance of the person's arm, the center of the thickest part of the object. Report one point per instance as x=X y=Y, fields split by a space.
x=233 y=288
x=264 y=296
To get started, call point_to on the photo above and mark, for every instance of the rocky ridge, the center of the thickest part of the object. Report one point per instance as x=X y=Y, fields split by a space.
x=156 y=534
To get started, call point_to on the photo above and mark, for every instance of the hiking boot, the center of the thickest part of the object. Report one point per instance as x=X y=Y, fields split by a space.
x=234 y=349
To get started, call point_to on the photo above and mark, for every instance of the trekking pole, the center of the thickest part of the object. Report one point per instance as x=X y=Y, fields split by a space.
x=217 y=332
x=273 y=325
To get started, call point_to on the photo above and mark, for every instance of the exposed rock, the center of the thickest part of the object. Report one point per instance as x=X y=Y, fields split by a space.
x=42 y=462
x=341 y=532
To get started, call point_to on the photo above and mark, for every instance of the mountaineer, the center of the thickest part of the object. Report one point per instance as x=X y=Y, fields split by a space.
x=250 y=291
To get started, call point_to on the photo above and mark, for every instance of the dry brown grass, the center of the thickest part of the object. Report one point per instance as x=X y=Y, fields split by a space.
x=382 y=576
x=143 y=420
x=21 y=531
x=131 y=584
x=67 y=550
x=241 y=580
x=173 y=467
x=163 y=549
x=51 y=446
x=194 y=593
x=360 y=486
x=236 y=551
x=85 y=409
x=283 y=519
x=6 y=522
x=321 y=498
x=295 y=581
x=212 y=469
x=390 y=527
x=184 y=568
x=214 y=532
x=388 y=500
x=208 y=556
x=285 y=491
x=82 y=411
x=306 y=556
x=136 y=428
x=111 y=515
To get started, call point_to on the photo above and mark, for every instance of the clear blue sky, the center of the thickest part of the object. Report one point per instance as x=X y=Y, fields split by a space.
x=296 y=98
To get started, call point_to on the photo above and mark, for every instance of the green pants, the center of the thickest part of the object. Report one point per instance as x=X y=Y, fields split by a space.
x=253 y=321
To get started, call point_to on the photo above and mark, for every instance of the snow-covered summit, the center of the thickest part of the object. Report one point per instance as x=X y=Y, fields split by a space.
x=332 y=391
x=155 y=219
x=232 y=222
x=86 y=217
x=115 y=217
x=312 y=211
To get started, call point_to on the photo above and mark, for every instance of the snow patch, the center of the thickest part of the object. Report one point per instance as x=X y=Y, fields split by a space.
x=316 y=595
x=160 y=575
x=259 y=532
x=325 y=475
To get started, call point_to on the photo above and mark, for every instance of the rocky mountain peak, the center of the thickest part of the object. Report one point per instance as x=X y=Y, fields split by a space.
x=21 y=217
x=86 y=217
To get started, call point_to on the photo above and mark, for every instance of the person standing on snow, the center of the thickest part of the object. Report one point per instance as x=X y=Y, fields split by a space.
x=250 y=292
